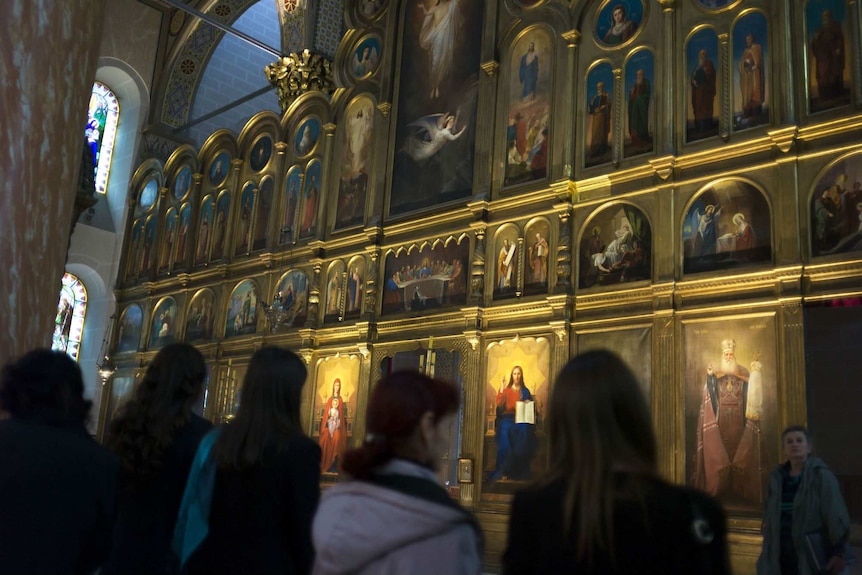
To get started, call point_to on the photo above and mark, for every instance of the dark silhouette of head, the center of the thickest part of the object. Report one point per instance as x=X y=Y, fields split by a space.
x=44 y=385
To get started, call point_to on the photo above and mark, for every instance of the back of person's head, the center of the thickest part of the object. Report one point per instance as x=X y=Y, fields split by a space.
x=44 y=385
x=161 y=404
x=599 y=424
x=395 y=411
x=268 y=412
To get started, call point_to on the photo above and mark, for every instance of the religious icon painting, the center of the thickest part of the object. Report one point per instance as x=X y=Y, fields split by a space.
x=355 y=159
x=292 y=186
x=537 y=256
x=727 y=225
x=618 y=22
x=516 y=397
x=306 y=136
x=182 y=182
x=633 y=344
x=355 y=294
x=149 y=255
x=423 y=279
x=639 y=124
x=120 y=390
x=169 y=237
x=292 y=292
x=219 y=169
x=148 y=194
x=182 y=236
x=163 y=326
x=435 y=127
x=836 y=208
x=310 y=200
x=222 y=212
x=751 y=84
x=261 y=152
x=334 y=408
x=600 y=96
x=136 y=250
x=199 y=319
x=243 y=225
x=731 y=408
x=615 y=247
x=334 y=290
x=262 y=211
x=506 y=251
x=365 y=58
x=129 y=328
x=827 y=25
x=242 y=309
x=528 y=128
x=370 y=9
x=704 y=82
x=204 y=230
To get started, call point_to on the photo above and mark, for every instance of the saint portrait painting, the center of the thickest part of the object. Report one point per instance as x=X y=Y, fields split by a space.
x=263 y=209
x=731 y=398
x=292 y=292
x=355 y=159
x=600 y=97
x=836 y=208
x=242 y=309
x=129 y=328
x=516 y=390
x=539 y=266
x=618 y=21
x=640 y=115
x=751 y=79
x=507 y=262
x=703 y=85
x=199 y=318
x=727 y=225
x=615 y=247
x=424 y=279
x=163 y=326
x=435 y=117
x=243 y=225
x=826 y=23
x=528 y=127
x=334 y=404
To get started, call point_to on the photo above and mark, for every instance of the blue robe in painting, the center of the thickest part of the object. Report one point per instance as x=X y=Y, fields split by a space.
x=529 y=76
x=516 y=445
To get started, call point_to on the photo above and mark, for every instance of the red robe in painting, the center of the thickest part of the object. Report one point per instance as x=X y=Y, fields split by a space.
x=333 y=434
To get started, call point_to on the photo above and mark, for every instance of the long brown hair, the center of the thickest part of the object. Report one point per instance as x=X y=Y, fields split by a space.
x=268 y=414
x=598 y=423
x=159 y=407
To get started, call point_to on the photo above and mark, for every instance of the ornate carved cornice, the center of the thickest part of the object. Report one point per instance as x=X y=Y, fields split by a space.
x=297 y=74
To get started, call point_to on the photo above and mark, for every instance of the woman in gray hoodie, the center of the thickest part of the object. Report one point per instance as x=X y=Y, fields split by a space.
x=805 y=519
x=394 y=517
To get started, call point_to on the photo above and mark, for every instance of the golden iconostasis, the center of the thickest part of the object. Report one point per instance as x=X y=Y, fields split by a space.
x=673 y=180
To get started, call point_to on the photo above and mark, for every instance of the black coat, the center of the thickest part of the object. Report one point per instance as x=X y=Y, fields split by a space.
x=146 y=514
x=260 y=519
x=57 y=499
x=661 y=543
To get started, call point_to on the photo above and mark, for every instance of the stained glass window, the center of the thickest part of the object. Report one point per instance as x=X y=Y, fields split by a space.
x=69 y=322
x=101 y=130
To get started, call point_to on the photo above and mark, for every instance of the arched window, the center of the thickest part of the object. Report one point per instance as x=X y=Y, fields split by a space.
x=101 y=130
x=69 y=323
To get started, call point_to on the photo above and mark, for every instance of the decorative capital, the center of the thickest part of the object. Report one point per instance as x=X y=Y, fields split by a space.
x=296 y=74
x=491 y=67
x=329 y=128
x=385 y=108
x=572 y=37
x=667 y=5
x=663 y=166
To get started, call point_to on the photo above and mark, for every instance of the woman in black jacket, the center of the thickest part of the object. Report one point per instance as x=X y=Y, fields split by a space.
x=155 y=435
x=267 y=477
x=617 y=515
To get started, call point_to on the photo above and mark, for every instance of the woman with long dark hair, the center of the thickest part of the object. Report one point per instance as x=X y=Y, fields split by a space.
x=394 y=516
x=155 y=435
x=602 y=507
x=267 y=477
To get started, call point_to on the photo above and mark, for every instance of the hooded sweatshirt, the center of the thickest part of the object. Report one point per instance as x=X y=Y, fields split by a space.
x=366 y=527
x=817 y=507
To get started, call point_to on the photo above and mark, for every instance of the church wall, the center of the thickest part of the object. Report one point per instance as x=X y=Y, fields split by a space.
x=671 y=225
x=132 y=35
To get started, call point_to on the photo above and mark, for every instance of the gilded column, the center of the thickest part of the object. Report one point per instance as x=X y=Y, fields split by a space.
x=666 y=401
x=666 y=116
x=724 y=119
x=564 y=253
x=617 y=116
x=519 y=284
x=472 y=436
x=792 y=343
x=484 y=144
x=314 y=295
x=572 y=38
x=47 y=67
x=371 y=282
x=477 y=266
